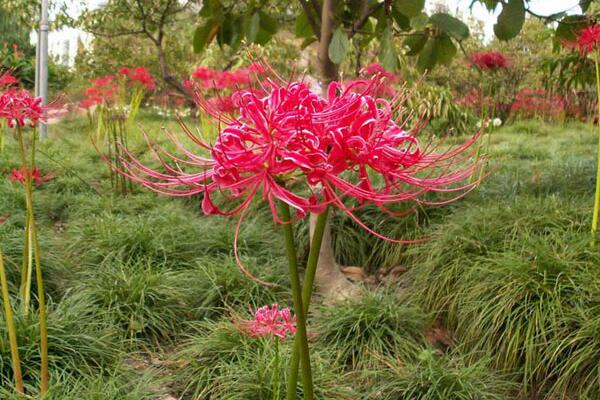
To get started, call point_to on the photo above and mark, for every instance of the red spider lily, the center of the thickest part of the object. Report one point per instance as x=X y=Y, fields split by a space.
x=272 y=321
x=104 y=90
x=290 y=144
x=588 y=39
x=19 y=175
x=489 y=60
x=536 y=102
x=212 y=79
x=141 y=76
x=377 y=69
x=18 y=107
x=7 y=80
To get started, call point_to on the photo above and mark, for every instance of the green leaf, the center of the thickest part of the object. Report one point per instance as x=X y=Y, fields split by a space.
x=445 y=49
x=489 y=4
x=585 y=5
x=402 y=20
x=211 y=9
x=427 y=56
x=338 y=47
x=569 y=27
x=511 y=20
x=204 y=34
x=419 y=22
x=415 y=42
x=450 y=25
x=302 y=28
x=267 y=27
x=253 y=27
x=387 y=54
x=409 y=8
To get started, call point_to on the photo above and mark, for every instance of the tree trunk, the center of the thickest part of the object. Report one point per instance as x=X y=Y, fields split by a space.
x=329 y=280
x=168 y=77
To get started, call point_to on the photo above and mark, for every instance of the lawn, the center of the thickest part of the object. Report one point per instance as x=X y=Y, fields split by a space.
x=146 y=299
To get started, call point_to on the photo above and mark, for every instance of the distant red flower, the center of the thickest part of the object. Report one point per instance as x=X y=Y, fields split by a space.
x=489 y=60
x=124 y=71
x=536 y=102
x=142 y=76
x=588 y=39
x=18 y=107
x=103 y=90
x=19 y=175
x=7 y=80
x=236 y=79
x=272 y=322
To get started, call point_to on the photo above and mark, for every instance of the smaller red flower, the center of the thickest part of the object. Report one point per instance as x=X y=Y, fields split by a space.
x=7 y=80
x=272 y=321
x=489 y=60
x=588 y=40
x=18 y=107
x=19 y=175
x=142 y=76
x=124 y=71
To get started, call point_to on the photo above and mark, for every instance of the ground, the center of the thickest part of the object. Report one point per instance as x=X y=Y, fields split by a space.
x=502 y=301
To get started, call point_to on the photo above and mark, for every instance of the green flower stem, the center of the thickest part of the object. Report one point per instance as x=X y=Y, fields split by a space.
x=275 y=376
x=597 y=195
x=288 y=233
x=42 y=313
x=12 y=333
x=34 y=245
x=307 y=288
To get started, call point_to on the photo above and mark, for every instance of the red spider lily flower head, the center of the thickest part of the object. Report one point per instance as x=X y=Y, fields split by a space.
x=489 y=60
x=289 y=143
x=19 y=175
x=588 y=40
x=272 y=322
x=141 y=76
x=7 y=80
x=18 y=107
x=103 y=90
x=125 y=71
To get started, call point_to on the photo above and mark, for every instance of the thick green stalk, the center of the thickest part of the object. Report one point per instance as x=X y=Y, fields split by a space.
x=12 y=333
x=27 y=248
x=307 y=289
x=290 y=248
x=42 y=310
x=275 y=373
x=38 y=265
x=597 y=195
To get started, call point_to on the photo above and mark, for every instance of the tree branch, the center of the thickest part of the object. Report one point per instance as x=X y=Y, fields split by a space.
x=311 y=19
x=364 y=17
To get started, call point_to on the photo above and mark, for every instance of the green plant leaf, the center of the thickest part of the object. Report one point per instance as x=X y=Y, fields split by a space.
x=445 y=49
x=568 y=28
x=450 y=25
x=427 y=57
x=266 y=29
x=302 y=27
x=511 y=20
x=253 y=27
x=409 y=8
x=387 y=54
x=419 y=22
x=585 y=5
x=415 y=42
x=204 y=34
x=338 y=47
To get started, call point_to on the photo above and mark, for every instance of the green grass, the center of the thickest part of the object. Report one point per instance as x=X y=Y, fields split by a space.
x=508 y=275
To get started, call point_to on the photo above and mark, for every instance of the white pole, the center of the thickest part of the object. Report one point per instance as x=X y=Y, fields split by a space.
x=43 y=63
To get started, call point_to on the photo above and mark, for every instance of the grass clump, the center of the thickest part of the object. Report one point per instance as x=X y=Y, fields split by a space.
x=378 y=322
x=222 y=361
x=439 y=377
